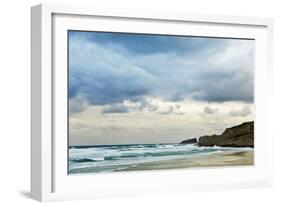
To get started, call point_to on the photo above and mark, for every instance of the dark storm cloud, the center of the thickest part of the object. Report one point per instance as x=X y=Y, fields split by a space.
x=109 y=85
x=146 y=104
x=225 y=86
x=149 y=44
x=107 y=69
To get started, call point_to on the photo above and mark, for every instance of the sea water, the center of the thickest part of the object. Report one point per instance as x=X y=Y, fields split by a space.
x=110 y=158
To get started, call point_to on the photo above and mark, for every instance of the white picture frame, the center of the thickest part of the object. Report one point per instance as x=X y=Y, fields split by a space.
x=49 y=179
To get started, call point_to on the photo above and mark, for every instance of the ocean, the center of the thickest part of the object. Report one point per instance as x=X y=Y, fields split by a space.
x=113 y=158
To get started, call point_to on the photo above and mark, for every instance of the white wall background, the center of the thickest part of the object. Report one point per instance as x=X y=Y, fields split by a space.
x=15 y=95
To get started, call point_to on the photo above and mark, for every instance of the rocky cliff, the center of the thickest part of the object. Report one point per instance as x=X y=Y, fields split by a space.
x=189 y=141
x=238 y=136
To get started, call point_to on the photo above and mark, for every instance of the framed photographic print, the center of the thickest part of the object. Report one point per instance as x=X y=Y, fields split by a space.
x=127 y=103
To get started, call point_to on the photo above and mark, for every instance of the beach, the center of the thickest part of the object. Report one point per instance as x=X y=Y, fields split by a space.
x=212 y=160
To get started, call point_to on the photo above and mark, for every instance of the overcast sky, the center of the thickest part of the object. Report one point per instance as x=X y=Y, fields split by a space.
x=134 y=88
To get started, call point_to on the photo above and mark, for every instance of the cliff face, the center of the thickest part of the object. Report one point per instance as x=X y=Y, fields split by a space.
x=237 y=136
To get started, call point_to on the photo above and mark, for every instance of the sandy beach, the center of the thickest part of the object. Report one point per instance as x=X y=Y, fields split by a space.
x=220 y=159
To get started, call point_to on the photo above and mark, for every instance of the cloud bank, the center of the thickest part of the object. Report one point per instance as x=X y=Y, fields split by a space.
x=108 y=68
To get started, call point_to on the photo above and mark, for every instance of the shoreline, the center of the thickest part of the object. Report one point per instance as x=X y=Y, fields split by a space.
x=240 y=158
x=222 y=159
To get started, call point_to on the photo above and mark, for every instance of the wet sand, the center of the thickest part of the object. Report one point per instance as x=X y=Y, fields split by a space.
x=220 y=159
